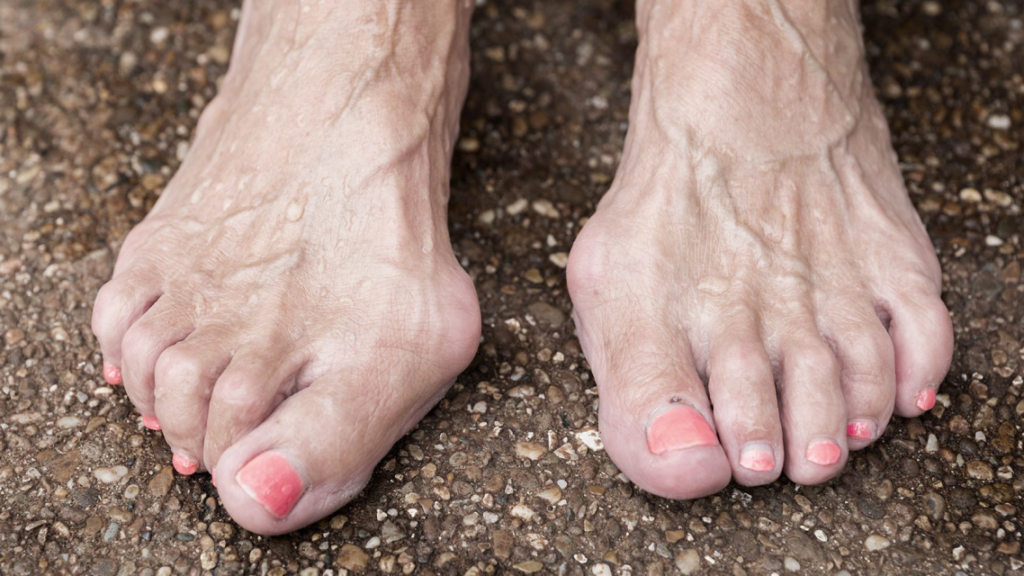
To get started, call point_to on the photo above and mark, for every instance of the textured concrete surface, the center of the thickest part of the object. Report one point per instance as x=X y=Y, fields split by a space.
x=98 y=100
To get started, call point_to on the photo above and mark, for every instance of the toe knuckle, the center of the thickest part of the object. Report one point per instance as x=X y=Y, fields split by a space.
x=107 y=310
x=178 y=368
x=815 y=357
x=234 y=392
x=140 y=343
x=747 y=359
x=868 y=358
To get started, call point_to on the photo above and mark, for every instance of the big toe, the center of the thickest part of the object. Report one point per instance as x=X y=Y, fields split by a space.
x=312 y=454
x=663 y=440
x=655 y=415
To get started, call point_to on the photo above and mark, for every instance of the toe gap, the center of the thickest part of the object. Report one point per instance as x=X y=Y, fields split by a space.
x=884 y=315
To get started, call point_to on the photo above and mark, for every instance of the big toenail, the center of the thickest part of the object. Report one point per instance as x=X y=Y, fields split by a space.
x=757 y=456
x=112 y=374
x=150 y=422
x=679 y=428
x=184 y=465
x=824 y=452
x=861 y=429
x=272 y=481
x=926 y=400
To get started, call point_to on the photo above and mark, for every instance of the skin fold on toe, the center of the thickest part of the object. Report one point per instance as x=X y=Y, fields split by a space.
x=292 y=305
x=757 y=259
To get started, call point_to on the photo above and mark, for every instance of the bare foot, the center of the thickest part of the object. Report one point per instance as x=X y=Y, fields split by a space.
x=758 y=237
x=292 y=305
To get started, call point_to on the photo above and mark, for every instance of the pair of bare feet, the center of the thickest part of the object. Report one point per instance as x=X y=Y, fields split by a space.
x=292 y=306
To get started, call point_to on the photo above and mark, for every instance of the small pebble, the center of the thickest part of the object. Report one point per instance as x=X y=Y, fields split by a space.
x=999 y=122
x=688 y=561
x=876 y=542
x=530 y=450
x=591 y=437
x=110 y=475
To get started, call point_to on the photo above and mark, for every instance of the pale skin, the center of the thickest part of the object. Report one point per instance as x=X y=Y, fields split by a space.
x=292 y=306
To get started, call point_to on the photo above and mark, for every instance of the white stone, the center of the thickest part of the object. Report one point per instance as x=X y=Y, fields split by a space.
x=591 y=438
x=66 y=422
x=523 y=512
x=110 y=475
x=531 y=450
x=688 y=561
x=159 y=35
x=876 y=542
x=999 y=122
x=516 y=207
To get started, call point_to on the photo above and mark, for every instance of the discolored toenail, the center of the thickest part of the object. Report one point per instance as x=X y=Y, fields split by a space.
x=184 y=465
x=678 y=429
x=112 y=374
x=823 y=452
x=272 y=481
x=926 y=400
x=150 y=422
x=757 y=456
x=861 y=429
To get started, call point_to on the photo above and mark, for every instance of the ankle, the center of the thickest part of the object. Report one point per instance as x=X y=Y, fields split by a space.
x=347 y=49
x=765 y=79
x=780 y=37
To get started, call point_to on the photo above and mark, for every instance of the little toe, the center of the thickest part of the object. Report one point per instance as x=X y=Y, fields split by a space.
x=166 y=323
x=184 y=380
x=922 y=337
x=742 y=389
x=813 y=410
x=119 y=304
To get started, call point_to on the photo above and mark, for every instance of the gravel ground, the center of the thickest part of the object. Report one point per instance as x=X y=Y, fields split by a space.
x=98 y=100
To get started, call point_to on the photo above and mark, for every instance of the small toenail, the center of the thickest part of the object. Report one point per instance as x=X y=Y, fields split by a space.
x=926 y=400
x=112 y=374
x=861 y=430
x=824 y=452
x=678 y=429
x=213 y=479
x=150 y=422
x=184 y=465
x=272 y=481
x=757 y=456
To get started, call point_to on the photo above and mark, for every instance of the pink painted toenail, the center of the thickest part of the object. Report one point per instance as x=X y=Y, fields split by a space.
x=184 y=465
x=758 y=457
x=112 y=374
x=824 y=452
x=926 y=400
x=861 y=430
x=150 y=422
x=678 y=429
x=272 y=481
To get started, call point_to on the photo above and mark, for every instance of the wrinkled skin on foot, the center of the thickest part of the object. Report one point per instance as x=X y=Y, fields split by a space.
x=292 y=305
x=755 y=293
